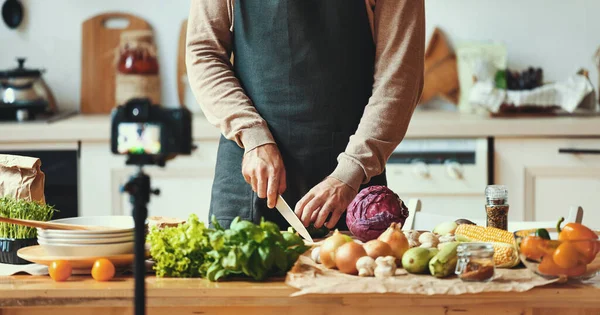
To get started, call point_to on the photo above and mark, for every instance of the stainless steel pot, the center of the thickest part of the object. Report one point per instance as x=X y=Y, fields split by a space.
x=23 y=89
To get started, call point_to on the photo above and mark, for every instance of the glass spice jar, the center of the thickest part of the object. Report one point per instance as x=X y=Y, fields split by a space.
x=475 y=262
x=496 y=207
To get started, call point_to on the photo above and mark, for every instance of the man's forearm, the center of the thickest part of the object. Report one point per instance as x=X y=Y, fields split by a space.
x=211 y=77
x=399 y=33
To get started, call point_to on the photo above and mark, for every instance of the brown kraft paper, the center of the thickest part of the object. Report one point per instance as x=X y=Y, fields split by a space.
x=311 y=278
x=21 y=177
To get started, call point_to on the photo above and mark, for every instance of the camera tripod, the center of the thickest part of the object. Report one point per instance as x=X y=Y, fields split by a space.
x=139 y=190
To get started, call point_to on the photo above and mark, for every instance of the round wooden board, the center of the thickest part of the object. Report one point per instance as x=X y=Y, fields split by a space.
x=37 y=254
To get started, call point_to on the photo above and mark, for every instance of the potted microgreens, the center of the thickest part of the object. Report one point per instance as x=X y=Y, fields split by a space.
x=14 y=237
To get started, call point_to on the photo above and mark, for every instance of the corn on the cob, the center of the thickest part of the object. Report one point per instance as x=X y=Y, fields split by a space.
x=483 y=234
x=506 y=254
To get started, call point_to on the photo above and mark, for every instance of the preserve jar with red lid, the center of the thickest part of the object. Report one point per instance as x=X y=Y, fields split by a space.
x=137 y=68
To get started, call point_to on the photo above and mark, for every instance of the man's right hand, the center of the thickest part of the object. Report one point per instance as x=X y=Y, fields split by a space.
x=263 y=168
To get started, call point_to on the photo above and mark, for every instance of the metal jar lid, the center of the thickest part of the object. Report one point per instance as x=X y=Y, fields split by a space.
x=20 y=71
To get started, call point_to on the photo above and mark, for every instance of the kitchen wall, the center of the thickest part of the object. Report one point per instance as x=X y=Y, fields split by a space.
x=559 y=36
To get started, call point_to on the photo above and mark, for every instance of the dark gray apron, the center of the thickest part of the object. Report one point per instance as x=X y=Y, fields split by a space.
x=307 y=65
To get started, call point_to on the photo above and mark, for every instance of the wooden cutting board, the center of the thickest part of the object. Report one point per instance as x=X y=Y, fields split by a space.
x=98 y=68
x=181 y=68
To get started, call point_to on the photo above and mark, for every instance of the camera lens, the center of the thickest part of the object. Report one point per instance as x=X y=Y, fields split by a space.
x=136 y=111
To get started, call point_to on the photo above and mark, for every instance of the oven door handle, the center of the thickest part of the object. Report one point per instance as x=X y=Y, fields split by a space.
x=579 y=151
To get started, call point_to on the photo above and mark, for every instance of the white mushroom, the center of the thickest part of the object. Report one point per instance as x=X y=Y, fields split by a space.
x=386 y=266
x=365 y=266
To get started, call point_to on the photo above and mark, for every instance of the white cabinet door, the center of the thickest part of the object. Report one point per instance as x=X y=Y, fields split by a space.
x=184 y=183
x=543 y=183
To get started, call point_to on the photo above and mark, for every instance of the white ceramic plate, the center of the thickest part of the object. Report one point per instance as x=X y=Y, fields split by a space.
x=58 y=234
x=80 y=241
x=118 y=224
x=87 y=249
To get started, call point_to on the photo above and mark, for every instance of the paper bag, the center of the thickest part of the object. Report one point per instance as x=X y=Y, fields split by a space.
x=21 y=177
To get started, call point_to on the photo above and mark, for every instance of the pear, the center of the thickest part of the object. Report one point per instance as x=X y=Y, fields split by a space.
x=416 y=260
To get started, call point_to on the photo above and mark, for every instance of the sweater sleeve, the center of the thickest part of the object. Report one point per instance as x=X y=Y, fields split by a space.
x=214 y=85
x=399 y=35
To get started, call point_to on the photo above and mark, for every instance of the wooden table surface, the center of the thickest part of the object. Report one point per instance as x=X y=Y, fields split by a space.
x=36 y=295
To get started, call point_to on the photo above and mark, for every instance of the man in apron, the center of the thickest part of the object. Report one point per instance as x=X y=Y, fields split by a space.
x=319 y=94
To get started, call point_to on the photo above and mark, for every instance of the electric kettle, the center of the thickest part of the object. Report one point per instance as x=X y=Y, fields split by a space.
x=24 y=94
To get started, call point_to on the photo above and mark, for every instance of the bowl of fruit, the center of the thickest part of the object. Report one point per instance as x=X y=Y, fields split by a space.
x=568 y=253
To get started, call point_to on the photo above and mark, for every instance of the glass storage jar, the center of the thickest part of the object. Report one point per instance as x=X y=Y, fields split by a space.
x=475 y=262
x=137 y=74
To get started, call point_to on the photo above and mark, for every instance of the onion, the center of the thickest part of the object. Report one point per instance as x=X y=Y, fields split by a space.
x=394 y=237
x=377 y=248
x=347 y=255
x=329 y=247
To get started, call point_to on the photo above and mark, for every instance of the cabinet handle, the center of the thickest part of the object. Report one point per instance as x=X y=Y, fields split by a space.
x=579 y=151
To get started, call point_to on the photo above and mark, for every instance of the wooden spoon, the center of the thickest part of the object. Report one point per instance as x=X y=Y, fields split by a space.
x=53 y=226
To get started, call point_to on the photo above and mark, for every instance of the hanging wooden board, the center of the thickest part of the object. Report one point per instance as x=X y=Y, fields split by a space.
x=181 y=68
x=98 y=68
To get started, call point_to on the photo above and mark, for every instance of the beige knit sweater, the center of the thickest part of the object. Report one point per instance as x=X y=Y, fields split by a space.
x=398 y=28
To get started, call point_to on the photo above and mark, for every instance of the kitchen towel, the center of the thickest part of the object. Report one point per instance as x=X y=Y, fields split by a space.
x=309 y=278
x=567 y=95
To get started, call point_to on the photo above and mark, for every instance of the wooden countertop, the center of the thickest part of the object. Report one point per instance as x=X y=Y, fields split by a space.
x=82 y=291
x=431 y=124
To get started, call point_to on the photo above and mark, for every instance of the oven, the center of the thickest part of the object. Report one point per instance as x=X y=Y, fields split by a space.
x=449 y=176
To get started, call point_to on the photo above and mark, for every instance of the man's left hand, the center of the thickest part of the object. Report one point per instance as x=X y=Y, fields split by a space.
x=329 y=196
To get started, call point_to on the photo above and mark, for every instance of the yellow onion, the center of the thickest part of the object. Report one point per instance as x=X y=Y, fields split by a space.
x=394 y=237
x=377 y=248
x=329 y=247
x=347 y=255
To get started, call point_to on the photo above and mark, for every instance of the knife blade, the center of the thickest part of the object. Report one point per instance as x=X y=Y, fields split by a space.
x=290 y=216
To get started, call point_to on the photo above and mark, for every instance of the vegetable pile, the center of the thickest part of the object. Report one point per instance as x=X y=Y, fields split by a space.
x=22 y=209
x=245 y=250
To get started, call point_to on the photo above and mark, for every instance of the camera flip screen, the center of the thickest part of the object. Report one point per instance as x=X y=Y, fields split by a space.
x=138 y=138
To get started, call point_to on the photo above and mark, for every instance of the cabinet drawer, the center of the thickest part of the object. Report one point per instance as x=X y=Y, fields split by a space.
x=547 y=176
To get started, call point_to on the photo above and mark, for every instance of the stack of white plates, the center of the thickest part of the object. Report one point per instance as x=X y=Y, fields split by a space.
x=119 y=240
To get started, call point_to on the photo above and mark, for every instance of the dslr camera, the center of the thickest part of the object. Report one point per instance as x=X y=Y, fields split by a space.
x=150 y=134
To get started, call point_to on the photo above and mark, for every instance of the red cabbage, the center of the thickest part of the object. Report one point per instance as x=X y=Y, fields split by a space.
x=373 y=210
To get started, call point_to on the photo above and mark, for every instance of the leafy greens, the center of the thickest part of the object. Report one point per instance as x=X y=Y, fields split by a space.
x=22 y=209
x=246 y=249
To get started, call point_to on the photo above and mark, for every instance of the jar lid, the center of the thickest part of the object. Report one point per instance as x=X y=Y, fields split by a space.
x=20 y=71
x=468 y=249
x=496 y=192
x=137 y=35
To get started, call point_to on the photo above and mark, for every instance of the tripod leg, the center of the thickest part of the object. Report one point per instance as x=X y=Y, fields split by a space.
x=140 y=214
x=139 y=189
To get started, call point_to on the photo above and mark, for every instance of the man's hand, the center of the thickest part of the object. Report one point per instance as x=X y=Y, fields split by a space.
x=329 y=196
x=263 y=168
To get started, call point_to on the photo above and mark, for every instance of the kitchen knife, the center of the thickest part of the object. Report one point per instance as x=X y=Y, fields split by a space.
x=292 y=219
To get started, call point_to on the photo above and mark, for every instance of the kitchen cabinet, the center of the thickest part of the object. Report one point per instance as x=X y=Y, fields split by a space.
x=543 y=183
x=184 y=183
